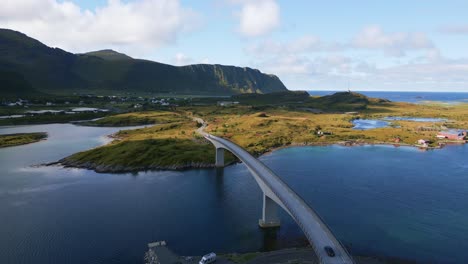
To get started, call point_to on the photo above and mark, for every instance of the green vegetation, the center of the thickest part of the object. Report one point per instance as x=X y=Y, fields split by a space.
x=342 y=101
x=49 y=118
x=109 y=55
x=173 y=142
x=15 y=84
x=276 y=98
x=10 y=140
x=55 y=71
x=168 y=146
x=135 y=119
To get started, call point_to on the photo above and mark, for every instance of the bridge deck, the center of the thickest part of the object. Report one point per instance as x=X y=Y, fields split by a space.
x=316 y=231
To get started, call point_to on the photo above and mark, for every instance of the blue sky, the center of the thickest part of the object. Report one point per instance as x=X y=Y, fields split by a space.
x=322 y=45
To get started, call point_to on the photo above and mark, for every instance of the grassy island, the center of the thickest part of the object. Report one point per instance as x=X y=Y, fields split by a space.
x=261 y=126
x=10 y=140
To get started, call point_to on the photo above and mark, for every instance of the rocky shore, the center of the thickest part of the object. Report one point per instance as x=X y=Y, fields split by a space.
x=99 y=168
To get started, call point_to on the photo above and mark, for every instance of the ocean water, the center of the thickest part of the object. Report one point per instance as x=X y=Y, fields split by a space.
x=378 y=200
x=411 y=97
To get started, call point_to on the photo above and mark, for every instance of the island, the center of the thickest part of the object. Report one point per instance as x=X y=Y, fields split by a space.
x=262 y=123
x=10 y=140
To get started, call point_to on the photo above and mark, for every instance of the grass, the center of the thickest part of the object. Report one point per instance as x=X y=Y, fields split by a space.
x=173 y=143
x=49 y=118
x=10 y=140
x=139 y=118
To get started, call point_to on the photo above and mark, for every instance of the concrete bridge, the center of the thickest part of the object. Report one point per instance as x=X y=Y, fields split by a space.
x=277 y=193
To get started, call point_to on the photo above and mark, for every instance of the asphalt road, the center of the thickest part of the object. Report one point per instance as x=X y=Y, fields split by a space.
x=316 y=231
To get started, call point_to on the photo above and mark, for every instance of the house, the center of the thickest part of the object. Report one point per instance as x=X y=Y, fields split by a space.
x=227 y=103
x=424 y=143
x=452 y=135
x=324 y=133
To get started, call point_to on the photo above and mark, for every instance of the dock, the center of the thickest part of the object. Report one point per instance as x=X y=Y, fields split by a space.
x=159 y=253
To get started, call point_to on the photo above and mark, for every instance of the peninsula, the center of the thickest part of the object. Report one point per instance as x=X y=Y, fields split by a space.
x=262 y=123
x=10 y=140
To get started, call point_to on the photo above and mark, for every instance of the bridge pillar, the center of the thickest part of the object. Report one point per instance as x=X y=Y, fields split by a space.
x=219 y=157
x=269 y=214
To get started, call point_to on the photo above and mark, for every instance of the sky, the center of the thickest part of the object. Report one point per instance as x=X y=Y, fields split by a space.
x=310 y=45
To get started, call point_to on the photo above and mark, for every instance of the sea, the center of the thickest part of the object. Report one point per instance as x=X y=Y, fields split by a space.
x=384 y=201
x=410 y=97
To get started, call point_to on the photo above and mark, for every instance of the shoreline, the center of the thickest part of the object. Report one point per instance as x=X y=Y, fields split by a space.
x=103 y=168
x=39 y=136
x=194 y=166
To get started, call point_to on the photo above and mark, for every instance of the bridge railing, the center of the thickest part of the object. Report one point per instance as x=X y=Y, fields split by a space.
x=290 y=208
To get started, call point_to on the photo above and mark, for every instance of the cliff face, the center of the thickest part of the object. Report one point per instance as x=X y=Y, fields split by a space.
x=52 y=70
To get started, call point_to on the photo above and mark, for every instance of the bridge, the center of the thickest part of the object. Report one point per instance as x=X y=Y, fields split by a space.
x=277 y=193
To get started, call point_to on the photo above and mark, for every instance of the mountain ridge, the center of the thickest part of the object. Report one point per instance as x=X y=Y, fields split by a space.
x=56 y=71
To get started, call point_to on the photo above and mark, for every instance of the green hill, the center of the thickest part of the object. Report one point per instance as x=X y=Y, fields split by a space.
x=109 y=55
x=55 y=71
x=340 y=101
x=14 y=84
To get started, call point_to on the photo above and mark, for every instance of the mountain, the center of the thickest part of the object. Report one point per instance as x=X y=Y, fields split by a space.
x=108 y=54
x=55 y=71
x=14 y=84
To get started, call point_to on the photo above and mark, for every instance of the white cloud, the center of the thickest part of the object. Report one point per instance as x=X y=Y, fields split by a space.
x=444 y=72
x=394 y=44
x=205 y=61
x=455 y=29
x=182 y=59
x=303 y=65
x=258 y=17
x=136 y=27
x=432 y=71
x=304 y=44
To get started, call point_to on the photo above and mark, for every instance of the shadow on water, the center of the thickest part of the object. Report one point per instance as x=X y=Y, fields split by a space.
x=219 y=182
x=270 y=239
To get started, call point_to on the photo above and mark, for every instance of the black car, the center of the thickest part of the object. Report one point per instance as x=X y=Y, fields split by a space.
x=329 y=251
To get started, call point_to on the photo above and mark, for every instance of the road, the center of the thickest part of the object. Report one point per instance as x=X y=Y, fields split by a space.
x=316 y=231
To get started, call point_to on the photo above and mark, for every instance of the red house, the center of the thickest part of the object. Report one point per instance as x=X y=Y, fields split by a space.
x=452 y=135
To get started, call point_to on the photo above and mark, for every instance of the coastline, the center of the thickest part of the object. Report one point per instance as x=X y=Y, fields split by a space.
x=21 y=139
x=187 y=164
x=196 y=165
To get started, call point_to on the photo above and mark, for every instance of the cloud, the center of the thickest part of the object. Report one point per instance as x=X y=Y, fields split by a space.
x=303 y=65
x=432 y=71
x=446 y=72
x=257 y=17
x=138 y=27
x=304 y=44
x=182 y=59
x=455 y=29
x=394 y=44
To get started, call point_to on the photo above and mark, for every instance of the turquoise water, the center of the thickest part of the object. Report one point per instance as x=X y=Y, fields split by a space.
x=414 y=119
x=366 y=124
x=379 y=200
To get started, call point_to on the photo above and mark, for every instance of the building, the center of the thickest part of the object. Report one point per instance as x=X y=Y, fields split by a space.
x=227 y=103
x=452 y=135
x=423 y=143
